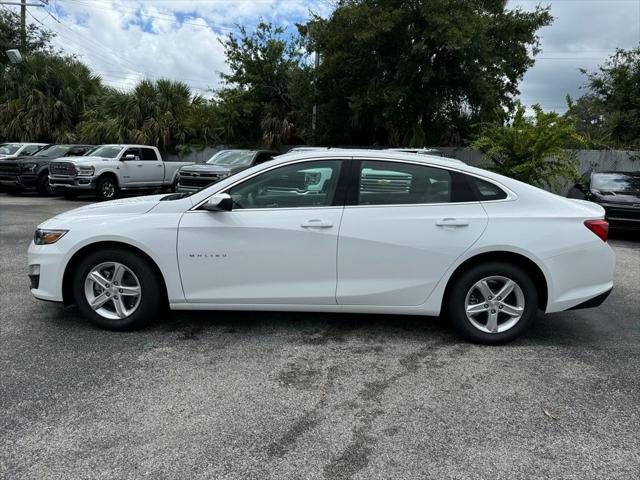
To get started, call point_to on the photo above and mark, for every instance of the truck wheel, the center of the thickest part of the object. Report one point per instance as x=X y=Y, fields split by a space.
x=43 y=186
x=117 y=289
x=106 y=189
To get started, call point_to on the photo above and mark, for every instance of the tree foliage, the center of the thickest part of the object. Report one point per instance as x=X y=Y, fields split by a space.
x=161 y=113
x=609 y=114
x=44 y=98
x=419 y=72
x=38 y=40
x=532 y=149
x=258 y=101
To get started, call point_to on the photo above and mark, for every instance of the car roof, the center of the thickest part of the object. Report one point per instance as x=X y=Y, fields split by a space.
x=373 y=154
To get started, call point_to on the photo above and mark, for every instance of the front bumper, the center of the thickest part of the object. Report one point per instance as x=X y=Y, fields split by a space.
x=62 y=183
x=22 y=181
x=46 y=270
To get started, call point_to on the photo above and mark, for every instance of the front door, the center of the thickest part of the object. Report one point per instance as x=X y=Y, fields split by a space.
x=277 y=245
x=408 y=226
x=132 y=172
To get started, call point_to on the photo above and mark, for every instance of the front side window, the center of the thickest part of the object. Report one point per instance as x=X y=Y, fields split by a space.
x=301 y=185
x=132 y=151
x=107 y=151
x=394 y=183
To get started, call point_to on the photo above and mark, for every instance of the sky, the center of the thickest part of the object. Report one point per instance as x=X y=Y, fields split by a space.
x=126 y=40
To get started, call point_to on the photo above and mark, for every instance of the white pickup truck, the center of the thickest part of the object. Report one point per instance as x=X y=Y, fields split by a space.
x=110 y=169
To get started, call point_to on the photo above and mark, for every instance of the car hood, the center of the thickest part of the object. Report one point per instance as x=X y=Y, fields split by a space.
x=88 y=159
x=206 y=168
x=125 y=206
x=621 y=197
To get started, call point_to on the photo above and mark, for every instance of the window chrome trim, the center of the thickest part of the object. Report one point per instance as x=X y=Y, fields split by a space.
x=511 y=196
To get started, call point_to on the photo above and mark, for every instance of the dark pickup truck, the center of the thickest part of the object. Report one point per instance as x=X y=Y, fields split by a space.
x=223 y=164
x=32 y=171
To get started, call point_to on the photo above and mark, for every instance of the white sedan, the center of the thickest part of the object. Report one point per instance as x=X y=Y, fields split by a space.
x=333 y=231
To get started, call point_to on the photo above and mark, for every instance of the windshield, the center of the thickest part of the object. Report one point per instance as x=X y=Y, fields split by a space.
x=107 y=151
x=616 y=182
x=232 y=158
x=9 y=148
x=54 y=151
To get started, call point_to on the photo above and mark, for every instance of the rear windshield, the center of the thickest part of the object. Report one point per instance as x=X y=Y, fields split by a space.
x=616 y=182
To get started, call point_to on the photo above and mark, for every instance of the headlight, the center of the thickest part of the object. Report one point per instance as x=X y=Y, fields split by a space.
x=46 y=237
x=29 y=167
x=85 y=170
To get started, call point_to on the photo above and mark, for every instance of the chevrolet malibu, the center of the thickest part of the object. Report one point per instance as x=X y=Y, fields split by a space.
x=333 y=231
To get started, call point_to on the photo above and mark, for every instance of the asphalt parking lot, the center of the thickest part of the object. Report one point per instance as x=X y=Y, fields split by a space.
x=311 y=396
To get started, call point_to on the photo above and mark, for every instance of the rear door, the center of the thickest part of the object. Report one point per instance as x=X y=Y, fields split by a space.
x=407 y=224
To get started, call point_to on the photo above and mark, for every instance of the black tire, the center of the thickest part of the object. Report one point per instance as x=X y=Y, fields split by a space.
x=151 y=298
x=107 y=188
x=456 y=302
x=43 y=187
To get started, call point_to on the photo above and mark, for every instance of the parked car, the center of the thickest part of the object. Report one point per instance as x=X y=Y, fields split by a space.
x=28 y=172
x=221 y=165
x=19 y=149
x=304 y=233
x=111 y=169
x=617 y=192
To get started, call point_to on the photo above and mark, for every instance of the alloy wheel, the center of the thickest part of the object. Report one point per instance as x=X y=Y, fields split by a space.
x=494 y=304
x=112 y=290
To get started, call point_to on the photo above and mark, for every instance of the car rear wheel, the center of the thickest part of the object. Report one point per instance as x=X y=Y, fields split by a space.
x=116 y=289
x=106 y=189
x=492 y=303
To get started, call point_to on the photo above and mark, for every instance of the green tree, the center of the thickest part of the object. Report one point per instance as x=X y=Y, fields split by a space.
x=162 y=113
x=44 y=97
x=38 y=40
x=532 y=149
x=609 y=114
x=418 y=72
x=259 y=103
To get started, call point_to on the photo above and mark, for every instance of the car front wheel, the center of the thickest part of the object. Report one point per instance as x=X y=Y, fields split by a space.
x=106 y=189
x=116 y=289
x=492 y=303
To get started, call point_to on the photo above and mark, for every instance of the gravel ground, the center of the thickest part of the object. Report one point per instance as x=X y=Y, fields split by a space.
x=313 y=396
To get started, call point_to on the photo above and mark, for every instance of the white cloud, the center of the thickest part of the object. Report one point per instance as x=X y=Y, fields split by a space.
x=125 y=40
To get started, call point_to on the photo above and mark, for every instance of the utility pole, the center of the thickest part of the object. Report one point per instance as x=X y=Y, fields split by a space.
x=23 y=18
x=23 y=24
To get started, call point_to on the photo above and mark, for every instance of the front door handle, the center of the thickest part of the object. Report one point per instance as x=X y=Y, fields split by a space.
x=452 y=222
x=317 y=223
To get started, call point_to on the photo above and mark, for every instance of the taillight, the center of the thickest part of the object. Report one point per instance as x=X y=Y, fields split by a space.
x=599 y=227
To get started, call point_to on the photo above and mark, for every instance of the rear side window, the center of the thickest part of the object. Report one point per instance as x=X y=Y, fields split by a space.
x=148 y=154
x=396 y=183
x=487 y=191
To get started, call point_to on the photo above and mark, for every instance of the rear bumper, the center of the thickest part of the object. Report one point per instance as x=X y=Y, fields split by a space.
x=593 y=302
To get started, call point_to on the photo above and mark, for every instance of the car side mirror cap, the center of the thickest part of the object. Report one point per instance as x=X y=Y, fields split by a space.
x=128 y=157
x=220 y=202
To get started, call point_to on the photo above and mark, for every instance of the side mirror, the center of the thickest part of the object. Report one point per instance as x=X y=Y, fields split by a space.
x=221 y=202
x=130 y=156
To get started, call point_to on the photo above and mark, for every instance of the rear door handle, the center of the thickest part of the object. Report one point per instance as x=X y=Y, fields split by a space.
x=452 y=222
x=317 y=223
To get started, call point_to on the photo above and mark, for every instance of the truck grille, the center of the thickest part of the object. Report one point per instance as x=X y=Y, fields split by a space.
x=62 y=168
x=9 y=167
x=621 y=211
x=190 y=180
x=385 y=184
